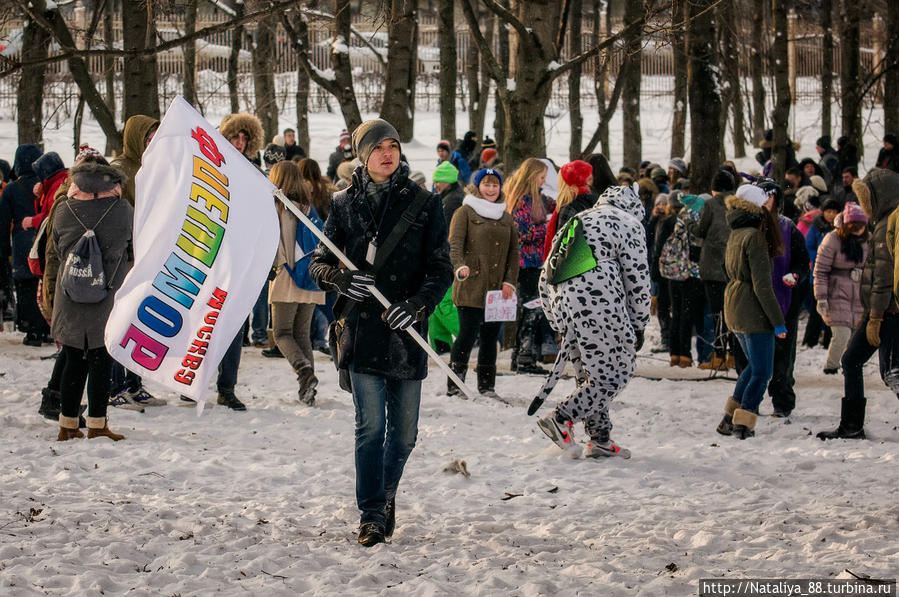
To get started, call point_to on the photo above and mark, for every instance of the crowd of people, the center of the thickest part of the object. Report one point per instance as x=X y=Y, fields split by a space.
x=587 y=254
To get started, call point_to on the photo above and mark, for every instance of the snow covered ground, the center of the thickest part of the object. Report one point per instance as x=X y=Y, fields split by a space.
x=262 y=502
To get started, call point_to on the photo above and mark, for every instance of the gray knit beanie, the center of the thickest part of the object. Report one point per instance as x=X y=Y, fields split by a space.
x=367 y=136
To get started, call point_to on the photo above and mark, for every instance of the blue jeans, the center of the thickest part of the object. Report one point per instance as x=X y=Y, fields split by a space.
x=227 y=378
x=259 y=317
x=753 y=380
x=386 y=430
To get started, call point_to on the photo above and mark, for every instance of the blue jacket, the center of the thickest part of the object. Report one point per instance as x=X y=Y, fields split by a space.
x=462 y=166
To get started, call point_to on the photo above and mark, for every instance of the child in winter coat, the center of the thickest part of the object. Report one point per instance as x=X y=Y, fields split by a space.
x=292 y=306
x=838 y=268
x=750 y=305
x=484 y=251
x=530 y=209
x=595 y=291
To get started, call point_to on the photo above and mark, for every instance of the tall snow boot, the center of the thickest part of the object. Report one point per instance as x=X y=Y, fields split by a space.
x=459 y=369
x=68 y=428
x=99 y=427
x=852 y=421
x=744 y=423
x=726 y=426
x=50 y=404
x=487 y=380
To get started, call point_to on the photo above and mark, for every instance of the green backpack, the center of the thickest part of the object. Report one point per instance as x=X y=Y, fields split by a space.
x=571 y=255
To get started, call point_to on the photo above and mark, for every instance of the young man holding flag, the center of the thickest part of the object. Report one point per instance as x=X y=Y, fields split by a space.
x=385 y=364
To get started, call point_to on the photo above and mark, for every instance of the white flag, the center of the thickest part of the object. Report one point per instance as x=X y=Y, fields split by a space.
x=205 y=236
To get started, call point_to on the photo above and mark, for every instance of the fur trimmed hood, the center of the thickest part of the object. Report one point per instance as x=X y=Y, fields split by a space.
x=733 y=202
x=877 y=193
x=234 y=123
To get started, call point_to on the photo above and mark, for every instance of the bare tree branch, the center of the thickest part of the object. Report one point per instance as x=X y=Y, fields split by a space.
x=506 y=15
x=74 y=52
x=493 y=67
x=305 y=60
x=563 y=27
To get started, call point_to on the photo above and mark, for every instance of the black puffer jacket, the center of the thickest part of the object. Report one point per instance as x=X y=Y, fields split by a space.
x=878 y=194
x=419 y=267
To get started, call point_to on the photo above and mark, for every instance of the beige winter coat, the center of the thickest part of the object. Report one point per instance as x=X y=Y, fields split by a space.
x=282 y=289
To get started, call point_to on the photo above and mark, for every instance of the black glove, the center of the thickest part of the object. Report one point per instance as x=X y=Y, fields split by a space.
x=639 y=343
x=401 y=315
x=354 y=285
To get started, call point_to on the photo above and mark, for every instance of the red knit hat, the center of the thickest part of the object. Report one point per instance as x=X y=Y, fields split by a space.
x=576 y=173
x=488 y=154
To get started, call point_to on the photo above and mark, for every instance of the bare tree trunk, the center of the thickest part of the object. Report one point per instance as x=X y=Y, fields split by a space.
x=826 y=65
x=472 y=71
x=76 y=123
x=53 y=22
x=264 y=59
x=446 y=38
x=631 y=72
x=850 y=91
x=343 y=71
x=189 y=87
x=757 y=71
x=302 y=95
x=30 y=92
x=499 y=124
x=891 y=76
x=109 y=61
x=480 y=114
x=705 y=99
x=731 y=62
x=574 y=81
x=780 y=66
x=398 y=105
x=139 y=74
x=234 y=60
x=679 y=50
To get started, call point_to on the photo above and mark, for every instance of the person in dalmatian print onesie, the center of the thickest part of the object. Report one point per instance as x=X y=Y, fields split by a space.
x=595 y=292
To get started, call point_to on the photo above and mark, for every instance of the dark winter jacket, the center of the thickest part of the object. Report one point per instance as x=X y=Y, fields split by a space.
x=836 y=281
x=134 y=138
x=467 y=149
x=750 y=305
x=664 y=227
x=81 y=325
x=488 y=247
x=848 y=154
x=451 y=197
x=712 y=228
x=293 y=151
x=336 y=159
x=16 y=204
x=830 y=164
x=878 y=194
x=419 y=267
x=793 y=261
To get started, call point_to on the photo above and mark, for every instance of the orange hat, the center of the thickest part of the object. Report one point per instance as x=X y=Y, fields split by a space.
x=488 y=154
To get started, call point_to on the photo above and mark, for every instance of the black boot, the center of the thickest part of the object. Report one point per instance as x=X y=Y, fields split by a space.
x=370 y=534
x=459 y=369
x=852 y=421
x=487 y=379
x=50 y=404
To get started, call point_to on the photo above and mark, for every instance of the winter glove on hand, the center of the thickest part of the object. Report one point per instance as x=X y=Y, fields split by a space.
x=639 y=343
x=354 y=285
x=401 y=315
x=872 y=331
x=823 y=308
x=780 y=331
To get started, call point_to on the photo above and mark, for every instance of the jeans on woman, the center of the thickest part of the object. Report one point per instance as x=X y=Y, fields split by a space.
x=386 y=431
x=759 y=351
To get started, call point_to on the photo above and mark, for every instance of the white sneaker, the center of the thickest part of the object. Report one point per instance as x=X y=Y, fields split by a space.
x=120 y=401
x=141 y=397
x=608 y=448
x=560 y=433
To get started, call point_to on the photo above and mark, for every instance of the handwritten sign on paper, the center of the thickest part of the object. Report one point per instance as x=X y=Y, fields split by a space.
x=496 y=308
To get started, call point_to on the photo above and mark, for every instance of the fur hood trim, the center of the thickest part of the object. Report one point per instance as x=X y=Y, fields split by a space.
x=234 y=123
x=734 y=202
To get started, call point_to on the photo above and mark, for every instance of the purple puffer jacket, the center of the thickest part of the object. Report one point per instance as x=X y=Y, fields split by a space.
x=837 y=282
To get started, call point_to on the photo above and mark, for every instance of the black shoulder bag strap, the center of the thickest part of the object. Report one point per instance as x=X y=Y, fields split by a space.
x=393 y=239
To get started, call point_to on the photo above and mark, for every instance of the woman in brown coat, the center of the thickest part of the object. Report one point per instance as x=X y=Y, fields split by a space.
x=484 y=252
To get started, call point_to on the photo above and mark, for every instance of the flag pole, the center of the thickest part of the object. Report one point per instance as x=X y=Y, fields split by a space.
x=374 y=291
